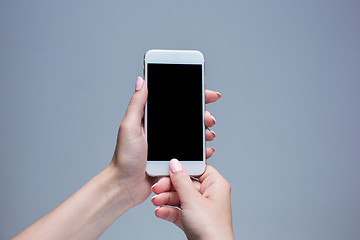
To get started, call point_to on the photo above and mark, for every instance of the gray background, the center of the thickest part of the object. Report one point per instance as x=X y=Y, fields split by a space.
x=287 y=125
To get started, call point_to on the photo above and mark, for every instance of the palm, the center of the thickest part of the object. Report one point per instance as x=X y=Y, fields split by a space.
x=131 y=154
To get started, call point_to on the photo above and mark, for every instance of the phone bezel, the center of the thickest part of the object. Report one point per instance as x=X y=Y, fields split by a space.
x=161 y=168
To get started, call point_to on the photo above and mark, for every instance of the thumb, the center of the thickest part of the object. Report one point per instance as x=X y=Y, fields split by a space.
x=181 y=181
x=134 y=112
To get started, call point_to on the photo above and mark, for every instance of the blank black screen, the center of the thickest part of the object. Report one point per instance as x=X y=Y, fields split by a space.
x=174 y=112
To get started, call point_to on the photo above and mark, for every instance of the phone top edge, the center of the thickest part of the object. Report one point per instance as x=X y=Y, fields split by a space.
x=172 y=50
x=162 y=54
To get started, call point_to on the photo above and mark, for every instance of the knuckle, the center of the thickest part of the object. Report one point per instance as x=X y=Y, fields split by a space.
x=175 y=218
x=168 y=198
x=167 y=213
x=127 y=127
x=124 y=126
x=227 y=186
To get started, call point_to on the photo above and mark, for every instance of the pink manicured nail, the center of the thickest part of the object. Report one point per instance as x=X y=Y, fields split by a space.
x=152 y=188
x=175 y=166
x=219 y=94
x=152 y=199
x=139 y=84
x=156 y=209
x=212 y=117
x=213 y=133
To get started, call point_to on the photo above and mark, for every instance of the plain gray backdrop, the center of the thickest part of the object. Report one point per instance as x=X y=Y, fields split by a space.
x=287 y=124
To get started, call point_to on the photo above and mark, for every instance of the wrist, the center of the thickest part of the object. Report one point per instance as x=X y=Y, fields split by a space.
x=136 y=188
x=118 y=187
x=216 y=234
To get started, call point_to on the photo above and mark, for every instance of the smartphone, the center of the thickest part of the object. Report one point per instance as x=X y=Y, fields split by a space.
x=174 y=112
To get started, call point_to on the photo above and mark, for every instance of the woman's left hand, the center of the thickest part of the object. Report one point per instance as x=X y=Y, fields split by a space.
x=129 y=160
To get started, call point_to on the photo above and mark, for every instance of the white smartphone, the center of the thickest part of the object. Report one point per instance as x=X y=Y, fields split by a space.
x=174 y=112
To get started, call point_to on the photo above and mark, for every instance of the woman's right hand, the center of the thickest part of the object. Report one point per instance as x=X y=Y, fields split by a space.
x=205 y=206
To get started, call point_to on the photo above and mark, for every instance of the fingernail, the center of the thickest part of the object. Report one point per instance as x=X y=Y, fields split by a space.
x=152 y=199
x=213 y=133
x=219 y=94
x=153 y=186
x=175 y=166
x=156 y=209
x=214 y=120
x=213 y=149
x=139 y=84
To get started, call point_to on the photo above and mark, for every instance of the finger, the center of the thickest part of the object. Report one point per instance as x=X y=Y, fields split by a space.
x=209 y=152
x=210 y=171
x=214 y=184
x=164 y=185
x=169 y=214
x=167 y=198
x=134 y=112
x=182 y=182
x=209 y=134
x=211 y=96
x=209 y=119
x=197 y=184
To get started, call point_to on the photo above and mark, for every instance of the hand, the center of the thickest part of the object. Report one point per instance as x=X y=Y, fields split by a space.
x=205 y=203
x=129 y=159
x=120 y=186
